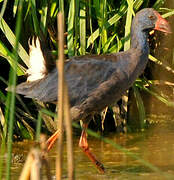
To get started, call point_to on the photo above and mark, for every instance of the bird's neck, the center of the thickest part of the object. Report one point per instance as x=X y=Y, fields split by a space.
x=139 y=38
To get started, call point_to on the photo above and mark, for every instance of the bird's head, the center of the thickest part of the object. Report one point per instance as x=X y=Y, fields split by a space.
x=150 y=19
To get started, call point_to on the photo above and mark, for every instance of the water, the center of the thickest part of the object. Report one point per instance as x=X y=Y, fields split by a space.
x=155 y=145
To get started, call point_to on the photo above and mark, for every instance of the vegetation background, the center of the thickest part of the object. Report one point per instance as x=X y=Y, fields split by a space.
x=93 y=27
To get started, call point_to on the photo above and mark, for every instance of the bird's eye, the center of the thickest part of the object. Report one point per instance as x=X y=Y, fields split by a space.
x=152 y=17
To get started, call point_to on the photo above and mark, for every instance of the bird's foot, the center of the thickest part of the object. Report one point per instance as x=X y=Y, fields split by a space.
x=97 y=163
x=83 y=144
x=51 y=141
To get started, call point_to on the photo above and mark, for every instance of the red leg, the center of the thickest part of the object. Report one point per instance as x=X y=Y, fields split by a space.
x=51 y=141
x=84 y=145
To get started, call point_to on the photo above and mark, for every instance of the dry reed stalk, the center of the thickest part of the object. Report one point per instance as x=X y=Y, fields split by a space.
x=63 y=109
x=36 y=160
x=36 y=165
x=25 y=175
x=60 y=66
x=44 y=155
x=31 y=169
x=68 y=126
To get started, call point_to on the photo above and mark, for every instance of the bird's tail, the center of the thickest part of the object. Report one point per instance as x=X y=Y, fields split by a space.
x=25 y=88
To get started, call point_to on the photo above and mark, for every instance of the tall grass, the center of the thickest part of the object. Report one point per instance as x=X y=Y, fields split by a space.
x=10 y=103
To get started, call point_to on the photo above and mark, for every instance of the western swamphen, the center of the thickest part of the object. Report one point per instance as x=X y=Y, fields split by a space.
x=94 y=81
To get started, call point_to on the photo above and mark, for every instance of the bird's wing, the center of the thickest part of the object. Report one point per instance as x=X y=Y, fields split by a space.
x=83 y=75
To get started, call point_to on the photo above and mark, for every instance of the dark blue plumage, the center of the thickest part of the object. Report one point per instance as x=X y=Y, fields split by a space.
x=97 y=81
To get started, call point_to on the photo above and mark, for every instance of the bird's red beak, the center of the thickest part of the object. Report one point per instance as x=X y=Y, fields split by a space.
x=161 y=24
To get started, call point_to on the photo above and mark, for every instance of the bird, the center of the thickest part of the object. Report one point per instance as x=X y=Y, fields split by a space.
x=96 y=81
